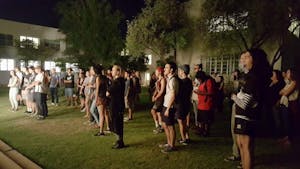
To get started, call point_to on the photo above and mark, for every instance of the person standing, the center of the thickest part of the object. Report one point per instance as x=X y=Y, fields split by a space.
x=205 y=93
x=184 y=102
x=54 y=81
x=13 y=85
x=196 y=83
x=158 y=99
x=117 y=105
x=69 y=86
x=38 y=91
x=101 y=100
x=169 y=109
x=249 y=102
x=129 y=95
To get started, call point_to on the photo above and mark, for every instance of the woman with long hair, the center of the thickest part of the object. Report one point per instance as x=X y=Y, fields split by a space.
x=101 y=99
x=13 y=85
x=249 y=101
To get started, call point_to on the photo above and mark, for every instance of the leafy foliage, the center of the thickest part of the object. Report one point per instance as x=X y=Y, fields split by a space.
x=92 y=31
x=162 y=26
x=230 y=26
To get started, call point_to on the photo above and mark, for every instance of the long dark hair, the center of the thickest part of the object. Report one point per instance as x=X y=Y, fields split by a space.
x=262 y=70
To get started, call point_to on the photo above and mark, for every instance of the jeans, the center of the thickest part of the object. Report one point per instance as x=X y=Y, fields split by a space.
x=37 y=97
x=54 y=95
x=94 y=111
x=13 y=92
x=44 y=105
x=195 y=108
x=282 y=121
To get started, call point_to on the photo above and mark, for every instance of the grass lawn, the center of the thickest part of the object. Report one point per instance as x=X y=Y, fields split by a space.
x=62 y=141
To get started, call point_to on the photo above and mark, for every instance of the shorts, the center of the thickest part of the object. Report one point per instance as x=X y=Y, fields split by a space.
x=101 y=101
x=30 y=96
x=181 y=115
x=244 y=127
x=69 y=92
x=170 y=120
x=205 y=116
x=158 y=106
x=182 y=110
x=129 y=102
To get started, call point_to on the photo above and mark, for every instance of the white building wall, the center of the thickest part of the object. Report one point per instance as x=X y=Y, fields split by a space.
x=17 y=29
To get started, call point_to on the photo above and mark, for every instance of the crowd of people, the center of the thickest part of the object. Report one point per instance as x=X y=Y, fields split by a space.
x=177 y=97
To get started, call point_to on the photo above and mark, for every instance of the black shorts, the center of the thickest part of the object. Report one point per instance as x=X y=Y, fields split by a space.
x=244 y=127
x=205 y=116
x=158 y=106
x=170 y=120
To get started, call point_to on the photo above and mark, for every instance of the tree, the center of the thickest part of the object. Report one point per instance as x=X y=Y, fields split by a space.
x=92 y=31
x=162 y=26
x=132 y=62
x=231 y=26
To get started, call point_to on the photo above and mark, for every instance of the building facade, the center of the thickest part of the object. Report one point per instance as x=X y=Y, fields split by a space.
x=12 y=32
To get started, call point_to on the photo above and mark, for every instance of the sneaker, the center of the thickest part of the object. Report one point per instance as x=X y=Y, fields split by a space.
x=40 y=117
x=163 y=145
x=183 y=142
x=118 y=145
x=239 y=166
x=82 y=110
x=168 y=149
x=107 y=131
x=156 y=130
x=52 y=104
x=99 y=134
x=232 y=158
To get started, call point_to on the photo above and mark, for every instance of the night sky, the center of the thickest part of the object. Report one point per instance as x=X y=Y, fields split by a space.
x=42 y=12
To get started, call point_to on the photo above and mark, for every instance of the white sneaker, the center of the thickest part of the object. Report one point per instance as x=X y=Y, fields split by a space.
x=52 y=104
x=83 y=110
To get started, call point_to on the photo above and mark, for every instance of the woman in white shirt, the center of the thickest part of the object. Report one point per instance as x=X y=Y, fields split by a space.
x=13 y=85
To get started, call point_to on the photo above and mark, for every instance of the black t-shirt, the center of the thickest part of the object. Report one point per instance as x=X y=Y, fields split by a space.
x=185 y=92
x=71 y=78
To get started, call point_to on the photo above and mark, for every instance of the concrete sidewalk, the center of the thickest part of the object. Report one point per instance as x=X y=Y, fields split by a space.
x=12 y=159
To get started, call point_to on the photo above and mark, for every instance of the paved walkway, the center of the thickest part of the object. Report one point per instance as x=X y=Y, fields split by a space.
x=12 y=159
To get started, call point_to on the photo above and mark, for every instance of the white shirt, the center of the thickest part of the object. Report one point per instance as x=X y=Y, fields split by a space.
x=39 y=78
x=172 y=86
x=195 y=87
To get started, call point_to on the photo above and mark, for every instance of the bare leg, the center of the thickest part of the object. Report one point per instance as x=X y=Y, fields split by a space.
x=172 y=135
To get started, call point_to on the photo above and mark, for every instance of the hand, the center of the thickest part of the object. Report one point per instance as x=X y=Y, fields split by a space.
x=233 y=96
x=153 y=99
x=107 y=94
x=166 y=113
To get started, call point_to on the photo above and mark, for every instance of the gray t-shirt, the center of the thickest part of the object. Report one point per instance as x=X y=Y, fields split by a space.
x=54 y=80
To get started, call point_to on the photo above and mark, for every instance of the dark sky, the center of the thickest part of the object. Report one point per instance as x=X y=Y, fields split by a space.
x=42 y=12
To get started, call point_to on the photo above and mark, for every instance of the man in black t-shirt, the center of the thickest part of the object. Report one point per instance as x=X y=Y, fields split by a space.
x=184 y=103
x=69 y=86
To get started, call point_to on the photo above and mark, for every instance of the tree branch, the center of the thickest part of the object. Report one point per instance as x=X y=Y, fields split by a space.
x=238 y=31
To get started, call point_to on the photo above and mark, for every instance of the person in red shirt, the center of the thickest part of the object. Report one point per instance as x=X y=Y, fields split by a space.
x=205 y=102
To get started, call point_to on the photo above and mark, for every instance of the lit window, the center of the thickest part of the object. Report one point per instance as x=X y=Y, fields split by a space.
x=74 y=66
x=34 y=62
x=29 y=42
x=147 y=76
x=49 y=65
x=149 y=61
x=7 y=64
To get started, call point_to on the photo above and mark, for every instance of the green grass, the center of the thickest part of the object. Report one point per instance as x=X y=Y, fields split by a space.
x=63 y=142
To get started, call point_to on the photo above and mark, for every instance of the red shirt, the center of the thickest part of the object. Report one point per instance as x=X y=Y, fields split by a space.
x=205 y=102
